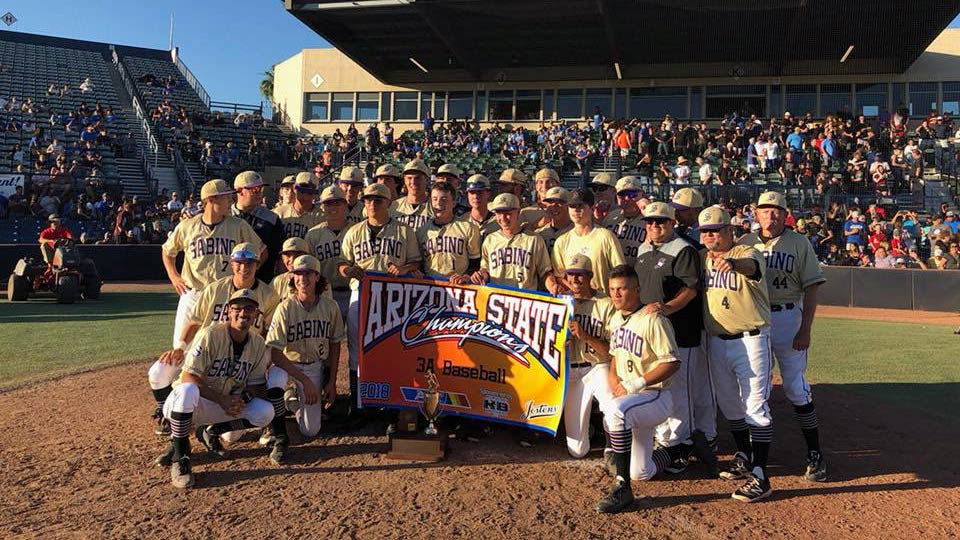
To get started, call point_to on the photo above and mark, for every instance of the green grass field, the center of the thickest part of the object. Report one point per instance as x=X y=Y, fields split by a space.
x=912 y=365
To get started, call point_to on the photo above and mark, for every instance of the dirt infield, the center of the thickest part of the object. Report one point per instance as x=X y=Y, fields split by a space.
x=77 y=455
x=890 y=315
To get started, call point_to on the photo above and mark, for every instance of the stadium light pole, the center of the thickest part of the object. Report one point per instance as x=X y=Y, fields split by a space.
x=419 y=65
x=846 y=54
x=616 y=66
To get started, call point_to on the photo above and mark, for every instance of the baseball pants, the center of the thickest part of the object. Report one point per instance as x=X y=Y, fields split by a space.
x=741 y=370
x=185 y=398
x=353 y=332
x=184 y=308
x=308 y=416
x=641 y=413
x=678 y=426
x=702 y=392
x=583 y=385
x=792 y=363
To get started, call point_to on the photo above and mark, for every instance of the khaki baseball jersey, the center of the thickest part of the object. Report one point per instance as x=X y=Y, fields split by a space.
x=640 y=342
x=599 y=244
x=411 y=215
x=447 y=249
x=549 y=233
x=613 y=218
x=735 y=302
x=211 y=304
x=631 y=233
x=530 y=217
x=297 y=224
x=305 y=335
x=206 y=249
x=356 y=214
x=519 y=261
x=594 y=316
x=486 y=226
x=326 y=244
x=792 y=265
x=374 y=251
x=223 y=367
x=284 y=286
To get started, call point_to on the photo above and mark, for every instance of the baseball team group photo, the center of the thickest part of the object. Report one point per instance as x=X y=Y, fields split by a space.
x=439 y=274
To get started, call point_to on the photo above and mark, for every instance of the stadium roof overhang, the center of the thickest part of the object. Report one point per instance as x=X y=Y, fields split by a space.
x=423 y=41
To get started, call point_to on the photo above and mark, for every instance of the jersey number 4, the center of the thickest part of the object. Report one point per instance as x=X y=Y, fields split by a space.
x=725 y=303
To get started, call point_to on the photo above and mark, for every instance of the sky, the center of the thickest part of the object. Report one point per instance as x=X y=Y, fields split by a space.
x=227 y=44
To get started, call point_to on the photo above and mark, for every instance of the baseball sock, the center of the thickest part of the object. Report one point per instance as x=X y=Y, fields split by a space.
x=807 y=416
x=620 y=442
x=278 y=425
x=160 y=395
x=760 y=438
x=231 y=425
x=354 y=387
x=741 y=435
x=661 y=457
x=180 y=423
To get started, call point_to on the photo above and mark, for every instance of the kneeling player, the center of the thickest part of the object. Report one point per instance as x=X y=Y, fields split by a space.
x=226 y=364
x=643 y=357
x=306 y=334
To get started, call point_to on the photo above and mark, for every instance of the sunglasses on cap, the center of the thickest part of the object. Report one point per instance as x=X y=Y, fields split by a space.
x=243 y=256
x=629 y=194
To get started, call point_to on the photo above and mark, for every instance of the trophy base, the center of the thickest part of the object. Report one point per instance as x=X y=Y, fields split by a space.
x=417 y=446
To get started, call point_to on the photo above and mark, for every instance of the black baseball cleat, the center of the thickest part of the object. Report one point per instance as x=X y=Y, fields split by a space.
x=161 y=426
x=210 y=441
x=754 y=490
x=816 y=467
x=279 y=453
x=166 y=458
x=181 y=475
x=739 y=468
x=618 y=498
x=679 y=458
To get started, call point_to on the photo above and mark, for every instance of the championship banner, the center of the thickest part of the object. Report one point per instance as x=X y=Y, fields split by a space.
x=9 y=183
x=499 y=354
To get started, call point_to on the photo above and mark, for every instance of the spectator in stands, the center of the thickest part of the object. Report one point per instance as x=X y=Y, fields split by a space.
x=17 y=203
x=682 y=171
x=86 y=86
x=882 y=259
x=123 y=222
x=174 y=206
x=854 y=229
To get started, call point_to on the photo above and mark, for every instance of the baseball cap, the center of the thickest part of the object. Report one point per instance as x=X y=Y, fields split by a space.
x=54 y=217
x=713 y=218
x=376 y=190
x=659 y=210
x=243 y=252
x=579 y=264
x=247 y=180
x=604 y=179
x=304 y=183
x=950 y=213
x=243 y=295
x=332 y=193
x=900 y=260
x=545 y=173
x=513 y=176
x=305 y=263
x=350 y=175
x=295 y=243
x=451 y=169
x=629 y=183
x=686 y=199
x=416 y=165
x=287 y=180
x=772 y=198
x=557 y=194
x=505 y=201
x=581 y=197
x=387 y=169
x=214 y=188
x=478 y=182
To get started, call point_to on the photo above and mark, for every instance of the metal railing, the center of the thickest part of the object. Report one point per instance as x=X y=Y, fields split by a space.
x=234 y=108
x=153 y=148
x=184 y=176
x=191 y=79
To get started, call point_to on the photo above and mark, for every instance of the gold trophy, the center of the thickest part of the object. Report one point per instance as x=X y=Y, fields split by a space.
x=407 y=443
x=431 y=404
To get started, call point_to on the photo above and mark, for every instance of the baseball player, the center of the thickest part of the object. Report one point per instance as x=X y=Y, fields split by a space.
x=285 y=192
x=512 y=256
x=305 y=336
x=414 y=209
x=630 y=228
x=351 y=182
x=293 y=247
x=478 y=195
x=737 y=317
x=450 y=248
x=588 y=355
x=669 y=269
x=302 y=215
x=606 y=213
x=249 y=207
x=643 y=357
x=227 y=363
x=206 y=241
x=389 y=176
x=597 y=243
x=379 y=244
x=324 y=242
x=793 y=276
x=688 y=202
x=556 y=203
x=544 y=179
x=452 y=174
x=210 y=308
x=513 y=181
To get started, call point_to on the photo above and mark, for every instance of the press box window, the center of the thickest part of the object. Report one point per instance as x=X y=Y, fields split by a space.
x=368 y=106
x=404 y=106
x=318 y=107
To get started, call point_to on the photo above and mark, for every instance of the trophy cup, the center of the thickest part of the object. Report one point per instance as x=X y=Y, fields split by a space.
x=407 y=442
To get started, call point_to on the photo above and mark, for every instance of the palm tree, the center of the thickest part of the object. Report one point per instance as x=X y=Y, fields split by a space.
x=266 y=85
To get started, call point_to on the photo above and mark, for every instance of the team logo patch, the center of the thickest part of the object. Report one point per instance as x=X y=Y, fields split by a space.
x=661 y=262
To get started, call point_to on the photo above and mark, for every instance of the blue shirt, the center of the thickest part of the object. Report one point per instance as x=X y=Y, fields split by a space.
x=795 y=141
x=857 y=226
x=829 y=147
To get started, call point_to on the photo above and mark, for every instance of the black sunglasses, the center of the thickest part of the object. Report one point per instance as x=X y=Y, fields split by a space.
x=658 y=221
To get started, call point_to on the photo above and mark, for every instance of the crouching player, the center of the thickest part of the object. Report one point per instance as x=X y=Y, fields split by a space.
x=214 y=392
x=643 y=355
